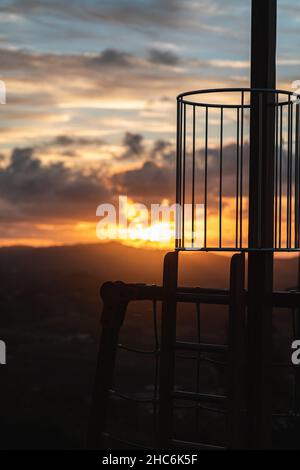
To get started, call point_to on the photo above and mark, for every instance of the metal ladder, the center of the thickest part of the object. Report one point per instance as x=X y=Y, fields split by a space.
x=116 y=297
x=235 y=349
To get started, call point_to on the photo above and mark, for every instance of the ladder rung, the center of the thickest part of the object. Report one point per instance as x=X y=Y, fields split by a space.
x=199 y=397
x=211 y=299
x=195 y=445
x=208 y=348
x=200 y=290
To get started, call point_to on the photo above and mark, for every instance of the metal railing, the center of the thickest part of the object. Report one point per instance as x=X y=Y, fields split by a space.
x=230 y=357
x=213 y=168
x=116 y=298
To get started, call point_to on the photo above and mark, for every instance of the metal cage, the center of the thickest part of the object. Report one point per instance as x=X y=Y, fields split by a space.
x=214 y=153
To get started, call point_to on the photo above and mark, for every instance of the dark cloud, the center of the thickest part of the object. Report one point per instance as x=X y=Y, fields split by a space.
x=148 y=182
x=107 y=77
x=69 y=146
x=33 y=191
x=57 y=71
x=134 y=146
x=136 y=13
x=113 y=57
x=130 y=12
x=158 y=56
x=155 y=179
x=63 y=141
x=70 y=153
x=229 y=169
x=38 y=191
x=67 y=141
x=163 y=151
x=13 y=60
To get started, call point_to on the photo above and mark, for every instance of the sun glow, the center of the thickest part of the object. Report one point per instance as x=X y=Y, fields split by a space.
x=132 y=224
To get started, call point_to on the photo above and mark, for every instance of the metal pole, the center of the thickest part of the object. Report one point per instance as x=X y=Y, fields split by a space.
x=167 y=352
x=236 y=352
x=114 y=310
x=261 y=213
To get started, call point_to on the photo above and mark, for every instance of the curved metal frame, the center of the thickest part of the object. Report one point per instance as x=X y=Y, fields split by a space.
x=284 y=178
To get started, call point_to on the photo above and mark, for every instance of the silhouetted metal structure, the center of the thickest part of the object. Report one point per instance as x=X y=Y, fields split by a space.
x=116 y=298
x=211 y=171
x=264 y=159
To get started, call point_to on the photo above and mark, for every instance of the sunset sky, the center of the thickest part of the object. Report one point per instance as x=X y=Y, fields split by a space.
x=91 y=88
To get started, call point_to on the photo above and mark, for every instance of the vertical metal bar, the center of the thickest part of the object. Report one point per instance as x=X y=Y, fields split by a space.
x=237 y=179
x=114 y=309
x=280 y=176
x=297 y=175
x=167 y=356
x=276 y=174
x=221 y=179
x=156 y=367
x=183 y=176
x=237 y=324
x=180 y=173
x=298 y=181
x=193 y=176
x=288 y=181
x=260 y=176
x=205 y=177
x=178 y=176
x=261 y=201
x=297 y=336
x=291 y=172
x=242 y=169
x=198 y=314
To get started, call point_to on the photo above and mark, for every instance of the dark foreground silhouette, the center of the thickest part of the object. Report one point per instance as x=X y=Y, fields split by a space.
x=50 y=312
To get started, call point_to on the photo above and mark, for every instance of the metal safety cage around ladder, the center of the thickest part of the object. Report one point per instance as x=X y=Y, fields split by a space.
x=214 y=164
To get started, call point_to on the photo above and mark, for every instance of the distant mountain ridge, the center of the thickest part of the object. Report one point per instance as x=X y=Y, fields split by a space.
x=114 y=261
